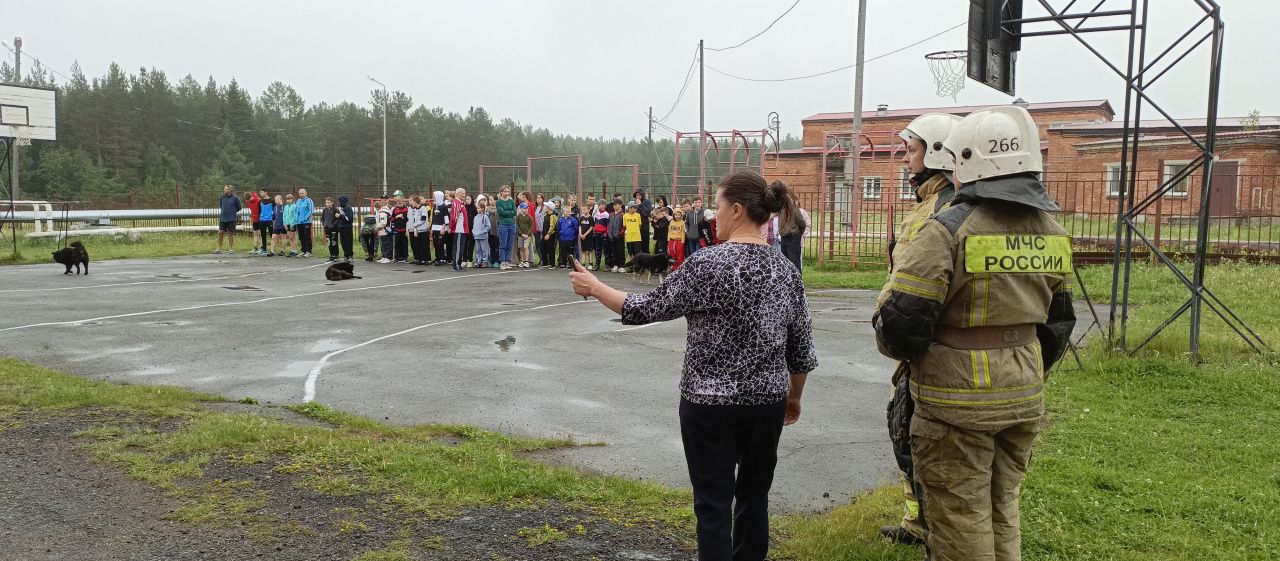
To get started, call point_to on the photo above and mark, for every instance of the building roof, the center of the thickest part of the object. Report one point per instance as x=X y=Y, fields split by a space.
x=1264 y=122
x=1232 y=135
x=817 y=150
x=800 y=151
x=961 y=110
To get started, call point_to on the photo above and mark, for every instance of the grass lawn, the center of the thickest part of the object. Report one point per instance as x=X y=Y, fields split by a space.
x=426 y=472
x=1145 y=457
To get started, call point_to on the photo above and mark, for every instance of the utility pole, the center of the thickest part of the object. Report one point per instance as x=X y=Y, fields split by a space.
x=851 y=166
x=702 y=123
x=650 y=126
x=13 y=142
x=385 y=102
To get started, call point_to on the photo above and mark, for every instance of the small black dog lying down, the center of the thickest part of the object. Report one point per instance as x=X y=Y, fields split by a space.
x=73 y=255
x=340 y=271
x=650 y=264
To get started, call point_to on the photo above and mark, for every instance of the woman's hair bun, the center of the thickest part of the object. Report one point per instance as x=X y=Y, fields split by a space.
x=774 y=196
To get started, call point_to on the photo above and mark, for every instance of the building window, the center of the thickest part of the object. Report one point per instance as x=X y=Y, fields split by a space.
x=1172 y=169
x=1113 y=180
x=907 y=190
x=871 y=187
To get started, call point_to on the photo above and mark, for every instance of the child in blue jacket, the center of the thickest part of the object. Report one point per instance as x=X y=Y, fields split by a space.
x=568 y=228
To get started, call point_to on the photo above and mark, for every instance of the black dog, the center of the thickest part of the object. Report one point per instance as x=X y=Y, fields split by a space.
x=340 y=271
x=73 y=255
x=650 y=264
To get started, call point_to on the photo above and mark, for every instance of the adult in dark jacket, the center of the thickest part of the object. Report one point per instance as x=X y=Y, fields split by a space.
x=230 y=206
x=342 y=222
x=644 y=207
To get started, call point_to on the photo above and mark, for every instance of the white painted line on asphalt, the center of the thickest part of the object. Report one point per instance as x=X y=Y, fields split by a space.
x=309 y=388
x=247 y=302
x=225 y=277
x=633 y=328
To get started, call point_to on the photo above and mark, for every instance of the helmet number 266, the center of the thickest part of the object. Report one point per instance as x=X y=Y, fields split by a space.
x=1003 y=145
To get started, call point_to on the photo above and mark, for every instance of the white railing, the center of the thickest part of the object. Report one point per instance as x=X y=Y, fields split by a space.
x=43 y=216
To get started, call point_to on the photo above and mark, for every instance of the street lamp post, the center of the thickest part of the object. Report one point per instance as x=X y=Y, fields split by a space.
x=385 y=101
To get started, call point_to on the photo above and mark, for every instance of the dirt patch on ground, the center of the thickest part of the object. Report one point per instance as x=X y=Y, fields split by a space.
x=58 y=502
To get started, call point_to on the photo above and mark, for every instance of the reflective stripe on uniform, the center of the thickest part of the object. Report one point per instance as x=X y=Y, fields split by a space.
x=917 y=286
x=973 y=365
x=986 y=368
x=980 y=363
x=976 y=396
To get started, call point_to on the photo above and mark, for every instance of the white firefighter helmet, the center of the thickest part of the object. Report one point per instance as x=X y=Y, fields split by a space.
x=995 y=142
x=931 y=129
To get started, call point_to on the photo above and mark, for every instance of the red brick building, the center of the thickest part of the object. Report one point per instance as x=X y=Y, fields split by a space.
x=1080 y=141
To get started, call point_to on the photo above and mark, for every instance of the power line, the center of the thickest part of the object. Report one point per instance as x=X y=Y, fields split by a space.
x=38 y=61
x=834 y=70
x=666 y=127
x=689 y=76
x=748 y=39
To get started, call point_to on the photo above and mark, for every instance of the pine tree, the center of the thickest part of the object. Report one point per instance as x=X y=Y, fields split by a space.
x=161 y=170
x=230 y=165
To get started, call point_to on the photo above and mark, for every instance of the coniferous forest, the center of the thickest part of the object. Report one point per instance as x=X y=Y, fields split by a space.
x=141 y=136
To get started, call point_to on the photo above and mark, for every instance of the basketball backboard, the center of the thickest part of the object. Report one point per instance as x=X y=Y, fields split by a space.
x=993 y=44
x=28 y=113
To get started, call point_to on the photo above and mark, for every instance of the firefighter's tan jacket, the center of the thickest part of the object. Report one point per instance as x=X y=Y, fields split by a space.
x=969 y=272
x=932 y=196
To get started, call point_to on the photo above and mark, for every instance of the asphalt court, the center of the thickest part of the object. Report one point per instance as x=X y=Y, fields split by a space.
x=514 y=351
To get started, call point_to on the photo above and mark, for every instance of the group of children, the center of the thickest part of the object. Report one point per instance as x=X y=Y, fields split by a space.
x=604 y=235
x=282 y=224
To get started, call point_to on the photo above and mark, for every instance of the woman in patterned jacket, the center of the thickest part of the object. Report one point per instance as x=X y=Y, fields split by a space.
x=748 y=352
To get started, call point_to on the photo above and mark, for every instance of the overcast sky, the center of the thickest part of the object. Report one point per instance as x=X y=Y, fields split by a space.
x=593 y=68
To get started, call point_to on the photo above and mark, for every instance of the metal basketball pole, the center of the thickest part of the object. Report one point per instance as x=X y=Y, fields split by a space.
x=1139 y=76
x=10 y=214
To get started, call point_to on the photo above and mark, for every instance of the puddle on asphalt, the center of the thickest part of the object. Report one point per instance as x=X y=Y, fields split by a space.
x=530 y=366
x=297 y=369
x=173 y=276
x=505 y=345
x=243 y=287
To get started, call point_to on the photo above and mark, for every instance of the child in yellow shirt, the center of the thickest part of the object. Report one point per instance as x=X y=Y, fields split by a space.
x=631 y=226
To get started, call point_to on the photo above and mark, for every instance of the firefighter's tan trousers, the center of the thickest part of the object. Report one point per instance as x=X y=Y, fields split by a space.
x=971 y=481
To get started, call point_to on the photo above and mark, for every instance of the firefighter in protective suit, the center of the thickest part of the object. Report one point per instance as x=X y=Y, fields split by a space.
x=979 y=307
x=930 y=166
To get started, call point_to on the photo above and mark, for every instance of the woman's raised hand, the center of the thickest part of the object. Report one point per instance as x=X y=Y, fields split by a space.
x=583 y=281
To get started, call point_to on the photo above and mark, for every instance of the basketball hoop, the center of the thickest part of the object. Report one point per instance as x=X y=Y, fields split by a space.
x=23 y=137
x=948 y=68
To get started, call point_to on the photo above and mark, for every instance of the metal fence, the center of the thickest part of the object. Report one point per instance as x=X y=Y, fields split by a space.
x=852 y=221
